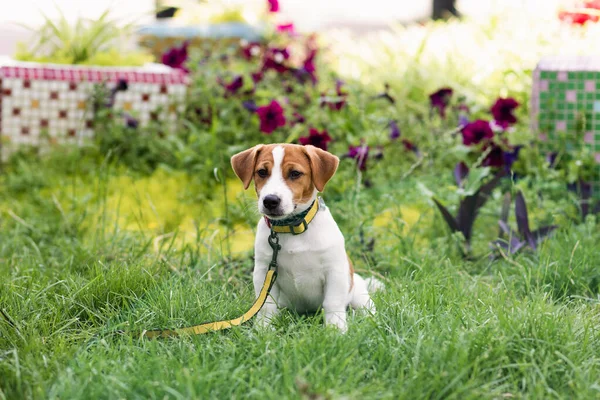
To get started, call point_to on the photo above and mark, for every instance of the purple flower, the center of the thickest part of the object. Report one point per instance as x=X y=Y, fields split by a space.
x=360 y=154
x=275 y=59
x=502 y=110
x=316 y=138
x=298 y=119
x=121 y=86
x=273 y=5
x=176 y=57
x=308 y=69
x=234 y=86
x=495 y=157
x=131 y=122
x=440 y=100
x=463 y=121
x=339 y=101
x=257 y=76
x=410 y=146
x=510 y=157
x=271 y=117
x=476 y=131
x=250 y=105
x=551 y=159
x=394 y=130
x=250 y=50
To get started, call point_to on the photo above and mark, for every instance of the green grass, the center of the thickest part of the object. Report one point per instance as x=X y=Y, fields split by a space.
x=524 y=327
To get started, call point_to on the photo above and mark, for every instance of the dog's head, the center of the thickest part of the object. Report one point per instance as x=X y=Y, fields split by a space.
x=286 y=176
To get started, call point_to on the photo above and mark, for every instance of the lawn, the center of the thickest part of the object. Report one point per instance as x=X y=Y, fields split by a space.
x=140 y=231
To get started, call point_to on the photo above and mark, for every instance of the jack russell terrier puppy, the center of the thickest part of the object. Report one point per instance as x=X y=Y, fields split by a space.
x=314 y=270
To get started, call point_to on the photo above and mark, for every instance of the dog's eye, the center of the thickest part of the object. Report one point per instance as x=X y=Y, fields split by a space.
x=263 y=173
x=295 y=174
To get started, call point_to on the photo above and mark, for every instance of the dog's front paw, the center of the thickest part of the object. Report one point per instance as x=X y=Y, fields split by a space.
x=337 y=320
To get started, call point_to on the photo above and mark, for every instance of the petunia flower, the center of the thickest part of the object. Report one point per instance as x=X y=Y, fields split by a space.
x=440 y=100
x=316 y=138
x=275 y=59
x=257 y=76
x=309 y=68
x=476 y=131
x=234 y=86
x=394 y=130
x=338 y=102
x=510 y=157
x=250 y=105
x=360 y=154
x=121 y=86
x=131 y=122
x=502 y=110
x=176 y=57
x=298 y=118
x=495 y=157
x=250 y=49
x=271 y=117
x=273 y=6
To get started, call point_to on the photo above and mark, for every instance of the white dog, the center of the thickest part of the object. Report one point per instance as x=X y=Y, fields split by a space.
x=314 y=270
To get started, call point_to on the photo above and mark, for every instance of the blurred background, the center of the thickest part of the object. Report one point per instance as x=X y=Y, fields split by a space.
x=307 y=15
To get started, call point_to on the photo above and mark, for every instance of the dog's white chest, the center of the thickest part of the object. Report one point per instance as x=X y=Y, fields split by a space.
x=305 y=261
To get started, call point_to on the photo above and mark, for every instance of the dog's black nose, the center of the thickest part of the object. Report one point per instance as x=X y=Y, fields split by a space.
x=271 y=202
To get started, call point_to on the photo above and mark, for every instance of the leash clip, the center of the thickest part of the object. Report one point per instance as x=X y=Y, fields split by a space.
x=274 y=243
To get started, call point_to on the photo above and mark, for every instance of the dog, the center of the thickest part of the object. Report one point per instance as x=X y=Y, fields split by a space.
x=314 y=270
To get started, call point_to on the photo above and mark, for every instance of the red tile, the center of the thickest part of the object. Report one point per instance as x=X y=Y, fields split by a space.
x=7 y=92
x=72 y=86
x=25 y=130
x=145 y=97
x=26 y=83
x=153 y=116
x=163 y=89
x=16 y=111
x=71 y=132
x=53 y=95
x=62 y=114
x=44 y=123
x=89 y=124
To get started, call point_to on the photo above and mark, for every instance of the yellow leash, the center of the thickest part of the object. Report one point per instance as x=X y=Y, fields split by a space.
x=226 y=324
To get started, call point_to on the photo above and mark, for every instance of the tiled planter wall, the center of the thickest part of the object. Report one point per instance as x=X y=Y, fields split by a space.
x=54 y=103
x=565 y=95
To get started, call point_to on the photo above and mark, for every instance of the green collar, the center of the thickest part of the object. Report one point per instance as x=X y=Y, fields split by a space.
x=295 y=224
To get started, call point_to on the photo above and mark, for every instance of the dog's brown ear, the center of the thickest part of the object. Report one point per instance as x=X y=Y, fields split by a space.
x=322 y=164
x=243 y=164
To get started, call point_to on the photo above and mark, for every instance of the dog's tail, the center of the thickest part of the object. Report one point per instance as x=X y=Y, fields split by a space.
x=374 y=284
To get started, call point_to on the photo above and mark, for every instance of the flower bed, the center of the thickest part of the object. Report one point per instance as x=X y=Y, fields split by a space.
x=51 y=103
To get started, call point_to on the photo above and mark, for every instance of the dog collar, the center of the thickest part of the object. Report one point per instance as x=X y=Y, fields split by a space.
x=296 y=224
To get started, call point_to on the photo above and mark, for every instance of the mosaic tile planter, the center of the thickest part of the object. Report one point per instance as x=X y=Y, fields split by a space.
x=566 y=98
x=53 y=103
x=160 y=37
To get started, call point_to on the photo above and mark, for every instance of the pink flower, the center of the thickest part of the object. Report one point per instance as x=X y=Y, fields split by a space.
x=286 y=28
x=271 y=117
x=440 y=100
x=316 y=138
x=273 y=5
x=298 y=119
x=476 y=131
x=502 y=110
